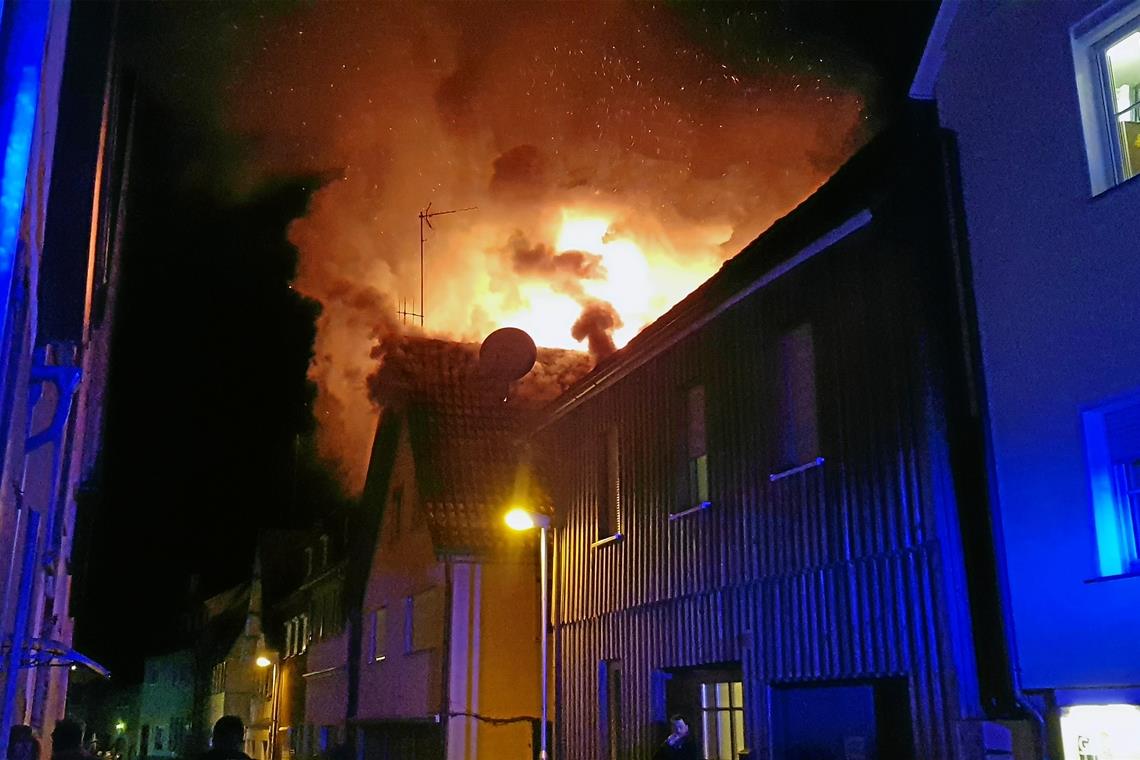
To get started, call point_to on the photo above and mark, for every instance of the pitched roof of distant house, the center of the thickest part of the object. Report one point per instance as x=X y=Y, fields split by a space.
x=226 y=614
x=464 y=429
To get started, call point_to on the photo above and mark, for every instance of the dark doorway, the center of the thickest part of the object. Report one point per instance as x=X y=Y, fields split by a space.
x=853 y=721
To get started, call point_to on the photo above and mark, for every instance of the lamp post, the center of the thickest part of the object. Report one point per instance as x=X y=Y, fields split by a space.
x=521 y=519
x=263 y=662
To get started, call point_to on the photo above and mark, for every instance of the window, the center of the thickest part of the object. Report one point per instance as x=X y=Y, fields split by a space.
x=380 y=634
x=290 y=639
x=797 y=441
x=308 y=561
x=1106 y=53
x=324 y=736
x=306 y=633
x=177 y=734
x=696 y=447
x=158 y=740
x=608 y=486
x=423 y=620
x=218 y=678
x=722 y=719
x=1112 y=441
x=324 y=552
x=1121 y=71
x=1100 y=731
x=610 y=702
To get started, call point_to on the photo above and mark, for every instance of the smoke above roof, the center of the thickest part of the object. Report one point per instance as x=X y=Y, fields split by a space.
x=618 y=153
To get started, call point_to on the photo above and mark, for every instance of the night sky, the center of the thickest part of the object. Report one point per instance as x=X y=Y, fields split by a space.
x=256 y=115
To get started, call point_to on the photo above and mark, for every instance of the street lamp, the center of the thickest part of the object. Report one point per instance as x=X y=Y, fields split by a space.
x=522 y=519
x=262 y=661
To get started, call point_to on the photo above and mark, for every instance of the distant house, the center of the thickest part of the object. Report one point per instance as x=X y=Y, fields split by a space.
x=1044 y=100
x=446 y=653
x=761 y=500
x=313 y=688
x=165 y=705
x=235 y=667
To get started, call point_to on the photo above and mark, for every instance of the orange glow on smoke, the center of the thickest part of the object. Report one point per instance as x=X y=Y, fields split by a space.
x=644 y=275
x=616 y=157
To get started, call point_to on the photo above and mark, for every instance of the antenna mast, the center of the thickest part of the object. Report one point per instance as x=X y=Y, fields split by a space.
x=425 y=218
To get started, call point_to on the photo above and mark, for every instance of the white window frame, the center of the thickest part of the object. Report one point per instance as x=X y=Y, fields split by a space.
x=1091 y=37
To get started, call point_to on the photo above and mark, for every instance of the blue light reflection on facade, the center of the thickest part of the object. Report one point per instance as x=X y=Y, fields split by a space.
x=23 y=62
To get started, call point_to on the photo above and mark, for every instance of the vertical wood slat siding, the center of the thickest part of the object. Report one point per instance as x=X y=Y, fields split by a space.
x=677 y=634
x=831 y=574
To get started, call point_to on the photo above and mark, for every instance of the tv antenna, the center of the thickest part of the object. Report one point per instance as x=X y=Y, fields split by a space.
x=425 y=218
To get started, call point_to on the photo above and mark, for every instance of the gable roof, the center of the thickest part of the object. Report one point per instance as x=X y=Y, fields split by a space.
x=839 y=208
x=465 y=431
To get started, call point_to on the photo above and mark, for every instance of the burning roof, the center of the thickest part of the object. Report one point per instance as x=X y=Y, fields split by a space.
x=467 y=434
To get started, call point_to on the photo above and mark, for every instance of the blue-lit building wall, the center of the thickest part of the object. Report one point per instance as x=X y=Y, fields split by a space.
x=32 y=42
x=1056 y=272
x=64 y=128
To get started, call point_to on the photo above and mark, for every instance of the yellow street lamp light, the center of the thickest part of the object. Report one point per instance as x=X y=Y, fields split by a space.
x=262 y=661
x=523 y=519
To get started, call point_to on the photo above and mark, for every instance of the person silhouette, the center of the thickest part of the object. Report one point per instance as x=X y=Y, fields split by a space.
x=681 y=744
x=228 y=740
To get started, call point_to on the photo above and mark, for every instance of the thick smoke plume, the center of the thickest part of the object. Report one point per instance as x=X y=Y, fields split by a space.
x=596 y=326
x=614 y=161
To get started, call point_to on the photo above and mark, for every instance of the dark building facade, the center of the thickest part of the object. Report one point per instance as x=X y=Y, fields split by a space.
x=762 y=500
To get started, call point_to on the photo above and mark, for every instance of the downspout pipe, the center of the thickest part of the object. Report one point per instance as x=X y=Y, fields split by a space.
x=979 y=508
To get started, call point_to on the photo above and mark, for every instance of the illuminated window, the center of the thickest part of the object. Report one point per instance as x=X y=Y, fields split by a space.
x=1101 y=732
x=797 y=438
x=696 y=446
x=1107 y=57
x=608 y=484
x=380 y=634
x=1112 y=441
x=722 y=719
x=1121 y=72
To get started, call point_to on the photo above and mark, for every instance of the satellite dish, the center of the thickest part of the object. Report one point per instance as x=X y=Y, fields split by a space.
x=507 y=354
